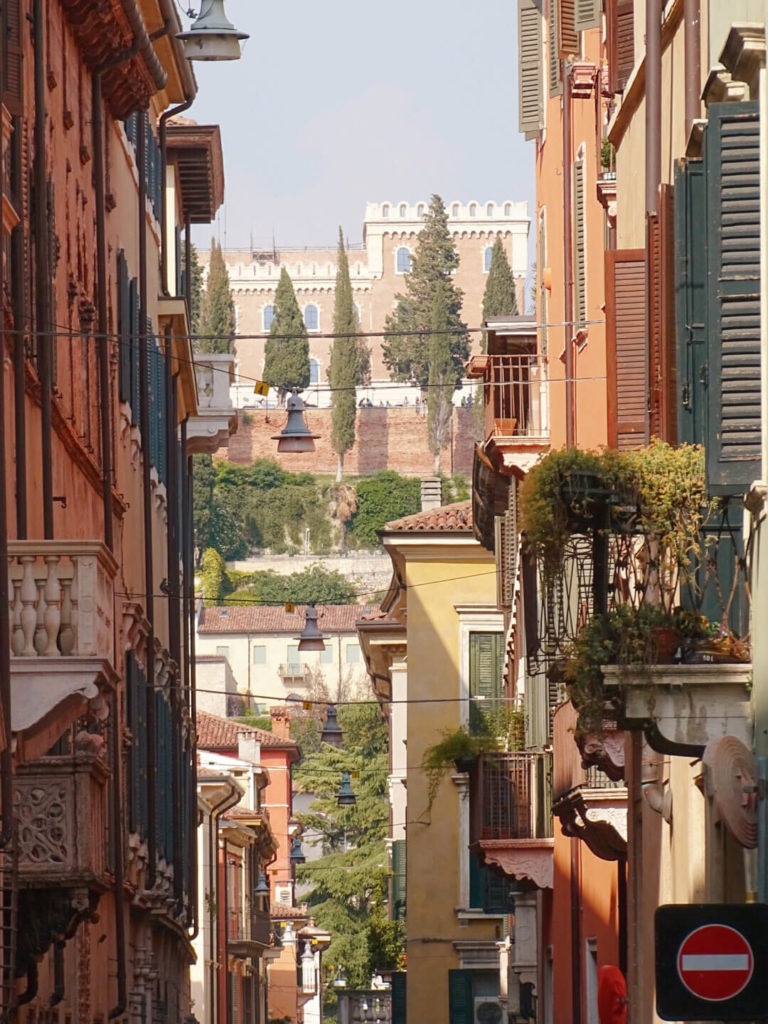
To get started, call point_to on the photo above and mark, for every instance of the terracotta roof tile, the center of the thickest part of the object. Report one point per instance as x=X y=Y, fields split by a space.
x=217 y=733
x=447 y=518
x=275 y=619
x=281 y=911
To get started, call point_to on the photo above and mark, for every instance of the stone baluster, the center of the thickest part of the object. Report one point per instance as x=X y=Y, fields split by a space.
x=86 y=620
x=29 y=601
x=41 y=640
x=17 y=634
x=66 y=633
x=52 y=615
x=74 y=596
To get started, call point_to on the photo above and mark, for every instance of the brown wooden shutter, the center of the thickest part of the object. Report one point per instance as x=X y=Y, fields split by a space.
x=587 y=14
x=661 y=311
x=620 y=31
x=579 y=243
x=553 y=61
x=531 y=92
x=625 y=322
x=568 y=42
x=12 y=55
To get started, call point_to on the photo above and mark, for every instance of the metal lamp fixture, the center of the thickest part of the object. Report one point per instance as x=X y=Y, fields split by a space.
x=311 y=638
x=212 y=36
x=262 y=886
x=297 y=854
x=346 y=796
x=296 y=435
x=332 y=732
x=308 y=970
x=339 y=981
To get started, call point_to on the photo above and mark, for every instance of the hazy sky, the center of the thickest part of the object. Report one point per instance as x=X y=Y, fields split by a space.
x=338 y=103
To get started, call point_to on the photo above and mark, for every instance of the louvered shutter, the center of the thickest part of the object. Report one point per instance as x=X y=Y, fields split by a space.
x=12 y=20
x=460 y=1007
x=531 y=99
x=553 y=61
x=568 y=43
x=661 y=312
x=399 y=986
x=123 y=330
x=579 y=243
x=587 y=14
x=731 y=156
x=626 y=356
x=398 y=879
x=486 y=665
x=691 y=301
x=620 y=31
x=133 y=299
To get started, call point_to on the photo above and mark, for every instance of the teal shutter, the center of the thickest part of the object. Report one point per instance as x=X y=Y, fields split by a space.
x=123 y=330
x=691 y=301
x=398 y=880
x=731 y=154
x=486 y=664
x=399 y=983
x=460 y=997
x=476 y=883
x=499 y=895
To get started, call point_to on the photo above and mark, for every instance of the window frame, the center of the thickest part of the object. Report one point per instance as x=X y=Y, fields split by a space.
x=400 y=249
x=316 y=308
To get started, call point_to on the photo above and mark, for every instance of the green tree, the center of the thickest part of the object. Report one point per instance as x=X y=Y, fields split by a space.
x=382 y=497
x=286 y=354
x=323 y=586
x=500 y=296
x=442 y=376
x=194 y=285
x=203 y=479
x=213 y=577
x=406 y=348
x=216 y=327
x=344 y=366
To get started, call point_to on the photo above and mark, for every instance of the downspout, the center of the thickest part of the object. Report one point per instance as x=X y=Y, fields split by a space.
x=575 y=934
x=189 y=584
x=122 y=995
x=568 y=256
x=144 y=426
x=163 y=133
x=43 y=271
x=213 y=863
x=652 y=167
x=19 y=354
x=692 y=37
x=58 y=975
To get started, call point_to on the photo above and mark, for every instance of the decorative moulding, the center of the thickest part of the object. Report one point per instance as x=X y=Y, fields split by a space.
x=528 y=859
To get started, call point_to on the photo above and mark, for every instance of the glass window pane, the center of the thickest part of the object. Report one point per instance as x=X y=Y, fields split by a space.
x=222 y=652
x=353 y=654
x=269 y=316
x=260 y=654
x=326 y=656
x=293 y=654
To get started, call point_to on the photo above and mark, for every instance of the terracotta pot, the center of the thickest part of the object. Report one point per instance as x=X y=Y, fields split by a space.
x=665 y=645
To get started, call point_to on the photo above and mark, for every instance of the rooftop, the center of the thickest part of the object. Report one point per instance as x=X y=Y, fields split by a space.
x=446 y=519
x=217 y=733
x=266 y=619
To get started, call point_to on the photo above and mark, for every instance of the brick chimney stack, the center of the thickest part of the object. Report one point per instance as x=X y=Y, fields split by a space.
x=281 y=723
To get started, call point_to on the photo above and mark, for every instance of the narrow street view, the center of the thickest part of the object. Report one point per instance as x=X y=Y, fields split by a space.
x=384 y=439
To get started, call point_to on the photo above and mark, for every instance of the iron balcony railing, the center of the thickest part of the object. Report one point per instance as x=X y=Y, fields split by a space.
x=511 y=796
x=516 y=398
x=246 y=925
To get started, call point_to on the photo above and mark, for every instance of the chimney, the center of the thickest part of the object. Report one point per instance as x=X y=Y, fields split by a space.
x=248 y=747
x=281 y=722
x=431 y=493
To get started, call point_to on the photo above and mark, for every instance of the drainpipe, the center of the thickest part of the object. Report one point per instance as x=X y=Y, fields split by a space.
x=144 y=427
x=575 y=934
x=6 y=764
x=652 y=164
x=213 y=864
x=42 y=230
x=189 y=586
x=117 y=866
x=19 y=354
x=691 y=21
x=567 y=256
x=58 y=975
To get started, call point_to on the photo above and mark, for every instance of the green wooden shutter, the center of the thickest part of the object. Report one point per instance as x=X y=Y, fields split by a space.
x=579 y=243
x=499 y=895
x=486 y=664
x=399 y=987
x=553 y=61
x=587 y=14
x=397 y=911
x=123 y=330
x=460 y=1005
x=731 y=155
x=531 y=99
x=691 y=301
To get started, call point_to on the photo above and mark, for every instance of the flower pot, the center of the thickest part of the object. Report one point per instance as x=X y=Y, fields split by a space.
x=465 y=762
x=665 y=645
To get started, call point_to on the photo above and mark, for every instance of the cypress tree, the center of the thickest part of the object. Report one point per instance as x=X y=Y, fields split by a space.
x=217 y=315
x=408 y=355
x=286 y=354
x=442 y=375
x=499 y=297
x=344 y=367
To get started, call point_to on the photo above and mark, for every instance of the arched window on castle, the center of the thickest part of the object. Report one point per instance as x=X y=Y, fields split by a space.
x=314 y=371
x=507 y=209
x=267 y=316
x=403 y=210
x=312 y=317
x=385 y=210
x=455 y=210
x=358 y=314
x=403 y=261
x=473 y=209
x=489 y=210
x=420 y=210
x=487 y=258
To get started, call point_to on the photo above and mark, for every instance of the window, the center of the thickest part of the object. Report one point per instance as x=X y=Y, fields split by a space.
x=487 y=258
x=268 y=315
x=222 y=652
x=353 y=654
x=259 y=654
x=403 y=262
x=420 y=210
x=486 y=664
x=489 y=210
x=507 y=209
x=311 y=317
x=292 y=656
x=314 y=371
x=358 y=314
x=326 y=656
x=385 y=210
x=473 y=209
x=455 y=210
x=403 y=210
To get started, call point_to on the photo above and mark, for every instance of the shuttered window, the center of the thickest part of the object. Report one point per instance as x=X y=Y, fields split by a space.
x=691 y=301
x=625 y=322
x=486 y=665
x=123 y=329
x=399 y=982
x=553 y=61
x=398 y=879
x=531 y=89
x=731 y=155
x=568 y=43
x=587 y=14
x=661 y=312
x=136 y=693
x=460 y=1006
x=11 y=21
x=620 y=32
x=579 y=243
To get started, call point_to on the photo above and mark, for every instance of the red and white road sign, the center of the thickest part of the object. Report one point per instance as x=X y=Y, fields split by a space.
x=715 y=962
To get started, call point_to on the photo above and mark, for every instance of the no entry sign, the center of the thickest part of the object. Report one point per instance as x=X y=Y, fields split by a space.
x=715 y=962
x=712 y=961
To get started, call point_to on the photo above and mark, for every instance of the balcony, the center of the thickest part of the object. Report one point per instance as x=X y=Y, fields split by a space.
x=216 y=418
x=295 y=674
x=62 y=821
x=248 y=931
x=510 y=814
x=515 y=398
x=61 y=609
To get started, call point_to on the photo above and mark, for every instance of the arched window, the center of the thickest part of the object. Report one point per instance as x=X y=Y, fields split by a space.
x=311 y=317
x=487 y=257
x=385 y=210
x=358 y=314
x=455 y=210
x=403 y=210
x=314 y=371
x=473 y=209
x=403 y=263
x=420 y=210
x=507 y=209
x=268 y=315
x=489 y=209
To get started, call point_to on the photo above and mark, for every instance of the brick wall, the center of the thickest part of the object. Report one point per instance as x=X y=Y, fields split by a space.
x=393 y=438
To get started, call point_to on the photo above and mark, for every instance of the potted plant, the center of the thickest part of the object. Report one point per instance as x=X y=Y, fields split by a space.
x=457 y=749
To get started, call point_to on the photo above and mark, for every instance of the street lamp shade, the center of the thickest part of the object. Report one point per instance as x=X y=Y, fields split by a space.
x=262 y=886
x=296 y=435
x=311 y=639
x=212 y=36
x=297 y=854
x=346 y=796
x=332 y=732
x=308 y=971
